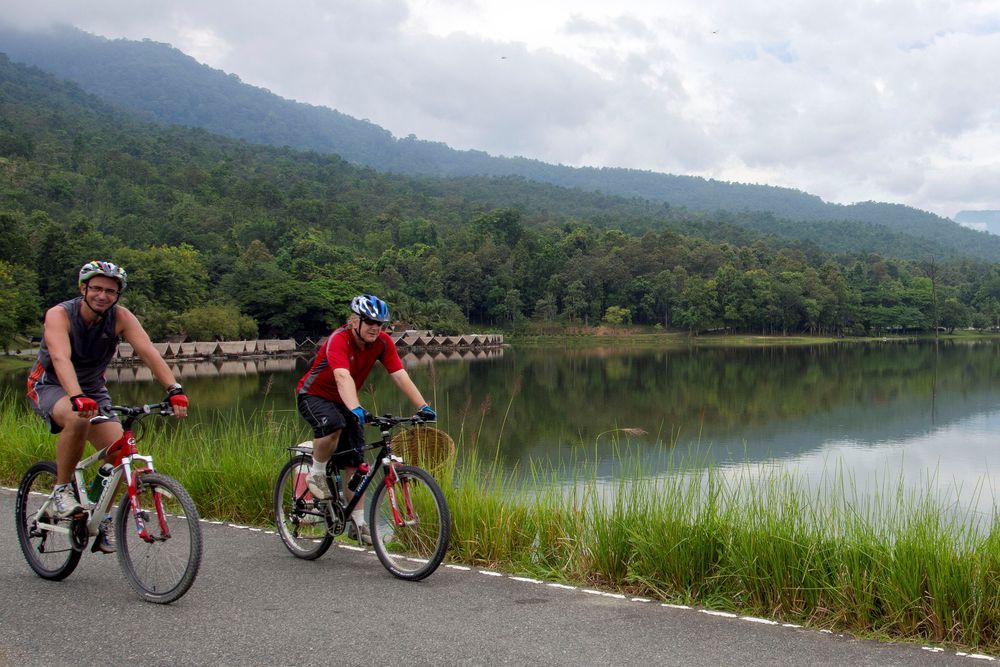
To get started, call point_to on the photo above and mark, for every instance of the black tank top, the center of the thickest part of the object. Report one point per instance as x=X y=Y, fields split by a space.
x=92 y=347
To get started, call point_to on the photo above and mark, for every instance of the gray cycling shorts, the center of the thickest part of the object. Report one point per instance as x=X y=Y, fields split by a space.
x=47 y=395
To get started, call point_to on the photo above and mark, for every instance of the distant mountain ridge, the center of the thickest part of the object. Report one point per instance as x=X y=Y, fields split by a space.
x=168 y=86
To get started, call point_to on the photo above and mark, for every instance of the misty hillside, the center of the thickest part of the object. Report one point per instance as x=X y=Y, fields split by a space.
x=171 y=87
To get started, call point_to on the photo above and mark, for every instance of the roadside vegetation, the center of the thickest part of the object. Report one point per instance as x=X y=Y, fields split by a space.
x=888 y=562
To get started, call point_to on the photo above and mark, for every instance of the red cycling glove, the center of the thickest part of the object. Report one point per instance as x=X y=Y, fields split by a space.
x=177 y=398
x=83 y=403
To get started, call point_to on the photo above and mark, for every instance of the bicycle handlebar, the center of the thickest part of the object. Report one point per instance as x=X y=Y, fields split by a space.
x=163 y=409
x=390 y=421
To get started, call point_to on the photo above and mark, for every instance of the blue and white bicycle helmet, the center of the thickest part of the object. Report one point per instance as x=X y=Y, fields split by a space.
x=98 y=268
x=370 y=306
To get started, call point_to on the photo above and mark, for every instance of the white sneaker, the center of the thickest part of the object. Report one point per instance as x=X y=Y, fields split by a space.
x=64 y=502
x=360 y=532
x=318 y=486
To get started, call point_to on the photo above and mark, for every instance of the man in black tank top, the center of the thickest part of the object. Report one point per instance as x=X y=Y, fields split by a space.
x=66 y=386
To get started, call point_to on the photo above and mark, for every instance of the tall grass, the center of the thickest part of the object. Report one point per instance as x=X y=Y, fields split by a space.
x=893 y=561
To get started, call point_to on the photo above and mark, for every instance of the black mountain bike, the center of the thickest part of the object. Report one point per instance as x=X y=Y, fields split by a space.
x=408 y=516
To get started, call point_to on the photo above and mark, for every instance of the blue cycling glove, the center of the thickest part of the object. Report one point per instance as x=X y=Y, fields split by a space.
x=427 y=413
x=360 y=413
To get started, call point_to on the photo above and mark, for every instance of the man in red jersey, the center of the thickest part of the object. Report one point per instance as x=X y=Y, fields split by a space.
x=327 y=396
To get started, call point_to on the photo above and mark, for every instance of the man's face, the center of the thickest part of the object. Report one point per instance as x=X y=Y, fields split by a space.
x=100 y=292
x=370 y=330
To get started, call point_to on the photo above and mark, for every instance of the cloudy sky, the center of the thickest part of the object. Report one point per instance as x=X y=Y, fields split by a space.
x=852 y=100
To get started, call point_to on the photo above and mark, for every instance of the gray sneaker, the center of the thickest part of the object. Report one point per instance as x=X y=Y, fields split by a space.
x=105 y=542
x=318 y=486
x=360 y=532
x=64 y=503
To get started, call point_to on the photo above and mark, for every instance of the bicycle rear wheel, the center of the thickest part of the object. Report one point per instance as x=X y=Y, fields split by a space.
x=50 y=554
x=299 y=521
x=410 y=535
x=162 y=566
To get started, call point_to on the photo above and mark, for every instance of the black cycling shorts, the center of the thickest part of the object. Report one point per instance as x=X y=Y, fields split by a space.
x=325 y=417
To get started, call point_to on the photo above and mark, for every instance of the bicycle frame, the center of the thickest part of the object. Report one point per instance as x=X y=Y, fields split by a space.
x=121 y=454
x=385 y=459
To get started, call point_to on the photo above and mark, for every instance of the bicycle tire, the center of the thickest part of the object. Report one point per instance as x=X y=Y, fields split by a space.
x=163 y=569
x=415 y=549
x=51 y=555
x=304 y=534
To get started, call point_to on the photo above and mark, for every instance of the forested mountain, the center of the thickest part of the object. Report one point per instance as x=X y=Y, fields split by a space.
x=225 y=239
x=171 y=87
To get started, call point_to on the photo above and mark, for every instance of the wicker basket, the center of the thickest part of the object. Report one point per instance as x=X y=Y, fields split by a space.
x=424 y=446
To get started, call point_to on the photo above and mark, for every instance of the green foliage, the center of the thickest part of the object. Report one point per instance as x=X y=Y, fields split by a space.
x=18 y=302
x=173 y=277
x=617 y=316
x=215 y=322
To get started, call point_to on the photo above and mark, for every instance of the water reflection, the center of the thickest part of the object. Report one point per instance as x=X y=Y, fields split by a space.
x=201 y=369
x=879 y=410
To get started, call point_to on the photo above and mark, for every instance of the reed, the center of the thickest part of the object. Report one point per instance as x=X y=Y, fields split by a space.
x=892 y=561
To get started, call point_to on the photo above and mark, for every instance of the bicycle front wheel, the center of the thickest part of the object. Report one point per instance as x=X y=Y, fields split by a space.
x=49 y=553
x=298 y=517
x=161 y=564
x=410 y=523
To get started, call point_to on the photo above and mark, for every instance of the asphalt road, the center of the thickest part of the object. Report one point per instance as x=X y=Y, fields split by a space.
x=255 y=604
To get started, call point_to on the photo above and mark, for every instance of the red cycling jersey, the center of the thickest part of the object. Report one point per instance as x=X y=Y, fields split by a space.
x=341 y=351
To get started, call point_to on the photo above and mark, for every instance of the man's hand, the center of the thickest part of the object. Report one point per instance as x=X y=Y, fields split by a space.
x=427 y=413
x=84 y=405
x=178 y=401
x=361 y=415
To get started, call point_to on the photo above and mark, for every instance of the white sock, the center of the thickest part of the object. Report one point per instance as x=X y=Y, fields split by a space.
x=358 y=516
x=319 y=468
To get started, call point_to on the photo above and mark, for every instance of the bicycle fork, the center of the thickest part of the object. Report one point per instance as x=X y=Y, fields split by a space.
x=138 y=514
x=392 y=481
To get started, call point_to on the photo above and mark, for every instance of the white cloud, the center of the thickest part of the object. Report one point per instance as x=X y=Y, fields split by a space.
x=895 y=101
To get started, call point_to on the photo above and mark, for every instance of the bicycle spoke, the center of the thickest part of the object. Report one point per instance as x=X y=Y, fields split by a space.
x=410 y=524
x=299 y=519
x=49 y=553
x=161 y=565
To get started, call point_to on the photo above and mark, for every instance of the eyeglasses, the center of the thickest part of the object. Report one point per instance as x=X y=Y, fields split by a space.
x=370 y=322
x=103 y=290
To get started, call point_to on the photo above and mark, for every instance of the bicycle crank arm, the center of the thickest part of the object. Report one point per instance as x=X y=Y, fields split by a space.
x=52 y=528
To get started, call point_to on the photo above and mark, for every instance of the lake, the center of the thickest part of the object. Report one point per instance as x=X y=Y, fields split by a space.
x=924 y=413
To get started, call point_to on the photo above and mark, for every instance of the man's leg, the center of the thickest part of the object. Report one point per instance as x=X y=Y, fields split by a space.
x=323 y=449
x=70 y=441
x=103 y=435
